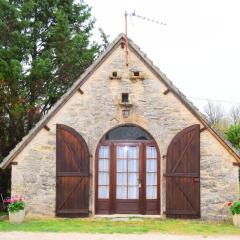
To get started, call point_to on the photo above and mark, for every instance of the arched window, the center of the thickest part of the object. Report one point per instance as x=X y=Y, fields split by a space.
x=127 y=132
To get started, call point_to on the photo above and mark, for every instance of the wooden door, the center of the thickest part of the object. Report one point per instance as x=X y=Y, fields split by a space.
x=128 y=178
x=183 y=174
x=72 y=176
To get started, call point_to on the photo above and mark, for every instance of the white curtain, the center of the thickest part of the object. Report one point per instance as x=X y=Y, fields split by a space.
x=103 y=192
x=103 y=172
x=151 y=192
x=151 y=152
x=127 y=172
x=132 y=192
x=103 y=165
x=133 y=179
x=132 y=165
x=122 y=151
x=103 y=178
x=122 y=165
x=151 y=173
x=151 y=179
x=122 y=179
x=104 y=152
x=151 y=165
x=121 y=192
x=133 y=152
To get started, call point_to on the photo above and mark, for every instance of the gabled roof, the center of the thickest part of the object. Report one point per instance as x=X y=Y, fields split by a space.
x=120 y=39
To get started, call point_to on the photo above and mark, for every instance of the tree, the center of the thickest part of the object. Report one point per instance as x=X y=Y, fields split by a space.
x=233 y=135
x=235 y=114
x=215 y=114
x=44 y=46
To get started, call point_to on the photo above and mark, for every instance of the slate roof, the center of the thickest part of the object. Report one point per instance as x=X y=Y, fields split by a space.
x=88 y=72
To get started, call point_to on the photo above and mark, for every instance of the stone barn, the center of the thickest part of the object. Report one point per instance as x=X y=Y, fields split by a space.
x=125 y=140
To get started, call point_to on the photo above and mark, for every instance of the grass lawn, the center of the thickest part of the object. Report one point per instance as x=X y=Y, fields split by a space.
x=92 y=225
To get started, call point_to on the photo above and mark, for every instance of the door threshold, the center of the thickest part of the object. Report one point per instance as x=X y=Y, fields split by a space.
x=126 y=216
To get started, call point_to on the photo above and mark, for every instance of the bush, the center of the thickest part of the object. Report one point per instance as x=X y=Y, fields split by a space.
x=234 y=207
x=16 y=204
x=233 y=135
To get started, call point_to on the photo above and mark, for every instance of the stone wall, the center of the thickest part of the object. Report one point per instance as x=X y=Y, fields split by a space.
x=96 y=111
x=219 y=179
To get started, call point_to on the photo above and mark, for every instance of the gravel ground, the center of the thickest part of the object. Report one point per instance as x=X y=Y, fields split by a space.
x=79 y=236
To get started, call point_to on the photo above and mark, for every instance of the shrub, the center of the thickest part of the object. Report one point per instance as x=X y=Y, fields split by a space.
x=233 y=135
x=234 y=207
x=15 y=204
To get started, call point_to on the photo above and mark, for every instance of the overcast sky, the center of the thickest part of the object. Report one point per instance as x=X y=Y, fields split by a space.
x=198 y=49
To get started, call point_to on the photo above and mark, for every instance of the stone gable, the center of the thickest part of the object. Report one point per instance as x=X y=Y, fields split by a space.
x=96 y=111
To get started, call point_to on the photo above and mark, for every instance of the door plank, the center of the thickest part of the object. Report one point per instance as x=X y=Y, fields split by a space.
x=182 y=154
x=69 y=194
x=187 y=197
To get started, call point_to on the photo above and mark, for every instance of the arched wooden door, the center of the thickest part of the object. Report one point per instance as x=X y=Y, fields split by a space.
x=72 y=176
x=183 y=174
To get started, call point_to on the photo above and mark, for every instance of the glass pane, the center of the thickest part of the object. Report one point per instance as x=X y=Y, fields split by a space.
x=122 y=151
x=121 y=192
x=132 y=165
x=104 y=152
x=133 y=179
x=103 y=165
x=103 y=192
x=133 y=152
x=151 y=165
x=122 y=165
x=121 y=178
x=103 y=178
x=151 y=179
x=151 y=192
x=133 y=192
x=151 y=152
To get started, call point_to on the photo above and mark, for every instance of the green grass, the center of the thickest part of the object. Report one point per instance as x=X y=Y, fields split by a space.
x=91 y=225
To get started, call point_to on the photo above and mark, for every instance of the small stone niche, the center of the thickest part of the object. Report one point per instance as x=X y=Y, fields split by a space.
x=115 y=75
x=136 y=74
x=125 y=102
x=125 y=97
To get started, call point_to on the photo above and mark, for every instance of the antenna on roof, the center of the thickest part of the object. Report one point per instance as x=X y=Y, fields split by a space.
x=126 y=38
x=133 y=14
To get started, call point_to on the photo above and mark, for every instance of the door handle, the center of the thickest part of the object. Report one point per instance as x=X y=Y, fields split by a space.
x=139 y=183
